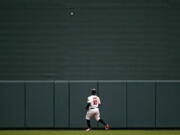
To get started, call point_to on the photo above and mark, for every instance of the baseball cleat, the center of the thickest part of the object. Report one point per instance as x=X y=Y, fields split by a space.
x=88 y=129
x=106 y=126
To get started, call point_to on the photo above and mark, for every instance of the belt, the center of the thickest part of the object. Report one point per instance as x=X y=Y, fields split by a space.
x=93 y=108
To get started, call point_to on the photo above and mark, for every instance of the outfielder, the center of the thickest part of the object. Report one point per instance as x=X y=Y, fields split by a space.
x=93 y=103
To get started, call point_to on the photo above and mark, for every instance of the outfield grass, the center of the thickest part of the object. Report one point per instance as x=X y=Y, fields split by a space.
x=92 y=132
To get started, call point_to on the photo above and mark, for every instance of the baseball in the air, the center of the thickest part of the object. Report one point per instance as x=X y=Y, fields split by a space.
x=71 y=13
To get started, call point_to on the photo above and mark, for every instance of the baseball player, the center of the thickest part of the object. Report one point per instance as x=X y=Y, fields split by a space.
x=93 y=103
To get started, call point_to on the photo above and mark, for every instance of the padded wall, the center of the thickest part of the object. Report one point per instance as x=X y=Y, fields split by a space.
x=168 y=104
x=113 y=98
x=61 y=104
x=39 y=104
x=12 y=104
x=61 y=109
x=140 y=104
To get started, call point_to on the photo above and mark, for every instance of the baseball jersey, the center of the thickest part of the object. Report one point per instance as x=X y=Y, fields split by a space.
x=94 y=101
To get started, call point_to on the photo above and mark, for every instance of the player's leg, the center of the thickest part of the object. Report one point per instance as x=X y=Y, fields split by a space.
x=88 y=117
x=88 y=124
x=102 y=122
x=97 y=117
x=106 y=126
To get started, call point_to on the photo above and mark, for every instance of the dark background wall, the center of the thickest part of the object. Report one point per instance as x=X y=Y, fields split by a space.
x=60 y=104
x=103 y=40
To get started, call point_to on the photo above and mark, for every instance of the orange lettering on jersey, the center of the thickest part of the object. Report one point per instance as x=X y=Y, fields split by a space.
x=94 y=101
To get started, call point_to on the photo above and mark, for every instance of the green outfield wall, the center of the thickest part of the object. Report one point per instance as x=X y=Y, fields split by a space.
x=60 y=104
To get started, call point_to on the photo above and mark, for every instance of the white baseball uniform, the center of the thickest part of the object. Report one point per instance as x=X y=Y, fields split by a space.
x=93 y=108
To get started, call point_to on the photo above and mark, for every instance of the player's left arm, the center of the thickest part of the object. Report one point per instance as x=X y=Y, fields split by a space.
x=87 y=106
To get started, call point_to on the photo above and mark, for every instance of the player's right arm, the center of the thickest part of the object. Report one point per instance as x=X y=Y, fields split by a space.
x=99 y=101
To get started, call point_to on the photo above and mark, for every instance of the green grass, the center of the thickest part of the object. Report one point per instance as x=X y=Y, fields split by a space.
x=92 y=132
